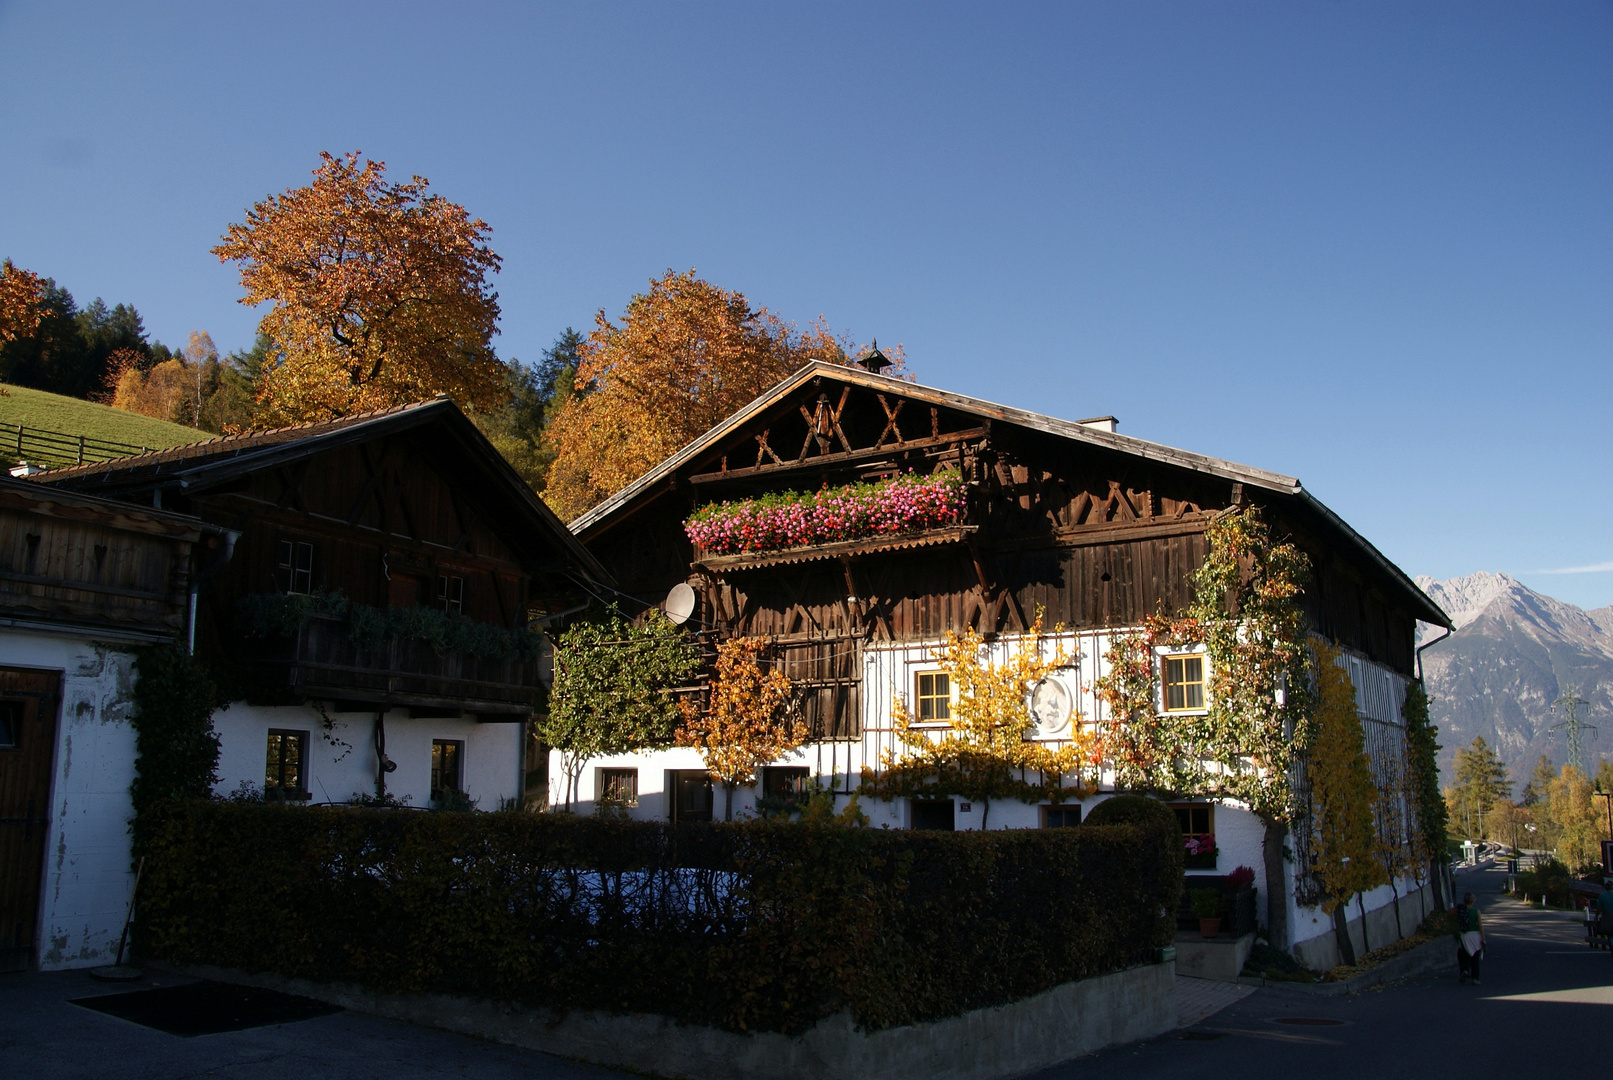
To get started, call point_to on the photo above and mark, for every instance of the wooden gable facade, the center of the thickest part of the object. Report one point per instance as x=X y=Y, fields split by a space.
x=72 y=564
x=411 y=507
x=1093 y=528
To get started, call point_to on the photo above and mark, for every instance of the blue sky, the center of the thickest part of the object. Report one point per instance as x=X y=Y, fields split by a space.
x=1370 y=245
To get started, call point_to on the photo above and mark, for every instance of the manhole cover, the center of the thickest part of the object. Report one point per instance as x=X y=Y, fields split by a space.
x=1307 y=1021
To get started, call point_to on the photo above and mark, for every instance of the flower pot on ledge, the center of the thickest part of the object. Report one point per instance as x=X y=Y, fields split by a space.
x=1210 y=927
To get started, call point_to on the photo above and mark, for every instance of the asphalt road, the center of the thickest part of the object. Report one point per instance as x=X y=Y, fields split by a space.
x=45 y=1037
x=1543 y=1007
x=1544 y=1004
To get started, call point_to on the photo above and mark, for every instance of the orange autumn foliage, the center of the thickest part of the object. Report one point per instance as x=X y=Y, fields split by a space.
x=379 y=294
x=685 y=356
x=747 y=723
x=20 y=291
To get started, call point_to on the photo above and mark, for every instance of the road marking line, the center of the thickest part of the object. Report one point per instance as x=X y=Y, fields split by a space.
x=1587 y=995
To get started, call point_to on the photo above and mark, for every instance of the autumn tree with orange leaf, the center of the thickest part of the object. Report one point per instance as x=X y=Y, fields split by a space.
x=685 y=356
x=747 y=722
x=379 y=294
x=20 y=292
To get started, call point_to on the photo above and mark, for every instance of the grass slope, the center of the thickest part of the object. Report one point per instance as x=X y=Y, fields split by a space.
x=53 y=412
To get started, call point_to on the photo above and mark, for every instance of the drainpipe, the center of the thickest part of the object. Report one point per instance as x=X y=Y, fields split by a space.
x=1448 y=632
x=1438 y=877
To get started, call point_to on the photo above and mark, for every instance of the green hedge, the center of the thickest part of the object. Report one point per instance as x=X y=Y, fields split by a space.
x=760 y=925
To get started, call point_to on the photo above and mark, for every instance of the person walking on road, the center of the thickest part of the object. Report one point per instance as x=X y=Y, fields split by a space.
x=1469 y=939
x=1605 y=927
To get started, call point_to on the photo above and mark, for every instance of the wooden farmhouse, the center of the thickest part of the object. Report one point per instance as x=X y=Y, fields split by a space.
x=374 y=599
x=83 y=583
x=1095 y=529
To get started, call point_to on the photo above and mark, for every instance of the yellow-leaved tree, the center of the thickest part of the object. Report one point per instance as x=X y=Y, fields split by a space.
x=1574 y=812
x=684 y=356
x=378 y=294
x=986 y=751
x=1343 y=795
x=20 y=292
x=747 y=722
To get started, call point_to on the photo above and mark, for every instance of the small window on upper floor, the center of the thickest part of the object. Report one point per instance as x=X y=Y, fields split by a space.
x=294 y=572
x=933 y=696
x=1184 y=683
x=10 y=724
x=451 y=594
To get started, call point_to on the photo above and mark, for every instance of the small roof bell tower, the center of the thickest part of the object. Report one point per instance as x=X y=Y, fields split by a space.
x=875 y=361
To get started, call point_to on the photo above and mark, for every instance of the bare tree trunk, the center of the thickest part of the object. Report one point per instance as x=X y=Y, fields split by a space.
x=1276 y=884
x=985 y=812
x=1361 y=902
x=1394 y=887
x=728 y=802
x=1341 y=934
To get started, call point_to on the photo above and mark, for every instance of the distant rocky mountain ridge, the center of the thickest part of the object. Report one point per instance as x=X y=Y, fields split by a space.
x=1513 y=652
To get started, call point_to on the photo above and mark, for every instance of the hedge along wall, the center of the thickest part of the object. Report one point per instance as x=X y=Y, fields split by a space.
x=751 y=926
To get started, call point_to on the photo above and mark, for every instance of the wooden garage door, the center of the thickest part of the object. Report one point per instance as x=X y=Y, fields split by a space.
x=28 y=707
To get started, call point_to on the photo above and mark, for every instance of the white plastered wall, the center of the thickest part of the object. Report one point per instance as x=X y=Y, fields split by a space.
x=888 y=673
x=341 y=762
x=87 y=878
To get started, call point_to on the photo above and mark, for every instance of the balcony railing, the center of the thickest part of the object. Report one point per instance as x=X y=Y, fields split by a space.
x=322 y=662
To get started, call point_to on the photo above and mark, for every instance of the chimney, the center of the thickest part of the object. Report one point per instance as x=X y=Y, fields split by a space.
x=1100 y=423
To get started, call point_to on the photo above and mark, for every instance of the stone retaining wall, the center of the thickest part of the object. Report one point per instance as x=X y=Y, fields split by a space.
x=1006 y=1040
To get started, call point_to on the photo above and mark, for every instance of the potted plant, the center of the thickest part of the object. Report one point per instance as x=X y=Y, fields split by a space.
x=1199 y=851
x=1207 y=905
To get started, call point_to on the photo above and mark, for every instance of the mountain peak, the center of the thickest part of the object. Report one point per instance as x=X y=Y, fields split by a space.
x=1465 y=598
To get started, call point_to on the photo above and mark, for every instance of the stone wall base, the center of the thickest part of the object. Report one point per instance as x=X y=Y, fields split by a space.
x=1213 y=958
x=1006 y=1040
x=1321 y=953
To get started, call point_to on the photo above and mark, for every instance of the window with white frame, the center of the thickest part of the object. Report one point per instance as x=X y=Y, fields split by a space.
x=294 y=567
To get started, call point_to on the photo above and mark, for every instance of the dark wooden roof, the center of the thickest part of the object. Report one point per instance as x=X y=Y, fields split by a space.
x=1287 y=489
x=200 y=466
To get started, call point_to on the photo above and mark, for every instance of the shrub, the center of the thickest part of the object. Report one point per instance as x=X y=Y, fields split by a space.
x=759 y=925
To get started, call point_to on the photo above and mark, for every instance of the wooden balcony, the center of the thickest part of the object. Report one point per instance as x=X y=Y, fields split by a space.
x=322 y=663
x=843 y=549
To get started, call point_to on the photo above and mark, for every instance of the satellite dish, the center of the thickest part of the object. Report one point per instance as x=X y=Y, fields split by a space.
x=680 y=603
x=1051 y=707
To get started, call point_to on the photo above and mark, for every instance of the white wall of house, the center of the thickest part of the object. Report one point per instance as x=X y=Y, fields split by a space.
x=344 y=763
x=889 y=673
x=88 y=878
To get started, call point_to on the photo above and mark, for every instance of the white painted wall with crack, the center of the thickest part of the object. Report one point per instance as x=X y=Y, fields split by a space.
x=88 y=877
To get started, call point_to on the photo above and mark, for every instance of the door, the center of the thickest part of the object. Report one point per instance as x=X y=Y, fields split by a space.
x=691 y=794
x=27 y=747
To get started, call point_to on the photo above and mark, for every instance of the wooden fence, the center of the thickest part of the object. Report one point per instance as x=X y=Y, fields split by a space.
x=40 y=447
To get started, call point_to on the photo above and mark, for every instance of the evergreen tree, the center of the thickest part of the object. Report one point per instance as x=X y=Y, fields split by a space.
x=1481 y=779
x=1539 y=781
x=536 y=392
x=70 y=350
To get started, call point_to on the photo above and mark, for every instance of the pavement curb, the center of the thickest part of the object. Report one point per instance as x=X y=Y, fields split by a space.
x=1436 y=955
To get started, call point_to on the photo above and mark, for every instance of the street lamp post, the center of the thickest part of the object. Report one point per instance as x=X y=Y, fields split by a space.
x=1608 y=795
